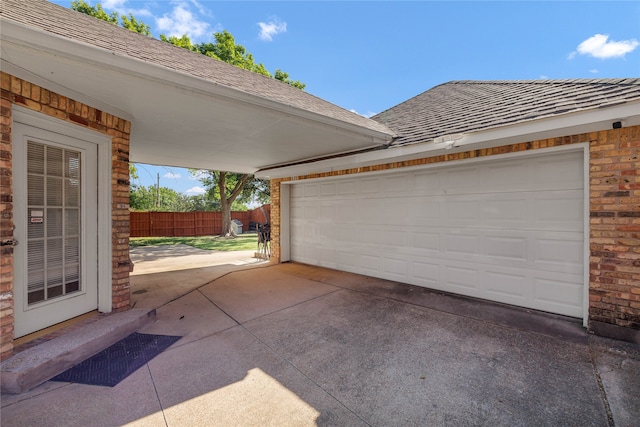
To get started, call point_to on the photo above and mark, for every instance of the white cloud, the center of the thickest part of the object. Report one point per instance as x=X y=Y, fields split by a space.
x=599 y=46
x=172 y=175
x=543 y=77
x=196 y=190
x=112 y=4
x=182 y=21
x=367 y=115
x=271 y=28
x=594 y=71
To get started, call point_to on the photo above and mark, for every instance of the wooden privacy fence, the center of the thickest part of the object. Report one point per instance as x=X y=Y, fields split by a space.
x=187 y=224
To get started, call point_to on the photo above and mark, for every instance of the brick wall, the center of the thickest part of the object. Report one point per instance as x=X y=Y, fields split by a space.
x=614 y=266
x=614 y=241
x=20 y=92
x=6 y=227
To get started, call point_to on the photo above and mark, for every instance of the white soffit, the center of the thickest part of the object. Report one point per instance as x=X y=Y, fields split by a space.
x=552 y=127
x=178 y=119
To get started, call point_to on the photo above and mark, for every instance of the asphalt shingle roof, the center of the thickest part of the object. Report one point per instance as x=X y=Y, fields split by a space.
x=55 y=19
x=469 y=106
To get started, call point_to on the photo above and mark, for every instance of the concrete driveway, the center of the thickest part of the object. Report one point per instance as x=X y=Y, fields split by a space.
x=293 y=345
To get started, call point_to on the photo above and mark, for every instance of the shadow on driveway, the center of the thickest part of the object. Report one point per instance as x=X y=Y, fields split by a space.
x=293 y=345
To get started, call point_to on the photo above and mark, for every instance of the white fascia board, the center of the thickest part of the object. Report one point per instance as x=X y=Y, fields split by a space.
x=569 y=124
x=574 y=123
x=29 y=37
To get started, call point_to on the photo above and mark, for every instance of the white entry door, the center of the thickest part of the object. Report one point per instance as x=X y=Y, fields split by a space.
x=56 y=221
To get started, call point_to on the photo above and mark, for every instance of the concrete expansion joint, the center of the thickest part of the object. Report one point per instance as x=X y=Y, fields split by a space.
x=603 y=393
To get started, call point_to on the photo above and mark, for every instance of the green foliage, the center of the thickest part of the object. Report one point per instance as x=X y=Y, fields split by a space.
x=146 y=199
x=97 y=11
x=243 y=242
x=227 y=50
x=133 y=171
x=253 y=190
x=224 y=48
x=131 y=23
x=183 y=42
x=128 y=22
x=284 y=77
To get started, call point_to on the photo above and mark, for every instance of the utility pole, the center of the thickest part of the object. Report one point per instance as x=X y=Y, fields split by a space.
x=158 y=193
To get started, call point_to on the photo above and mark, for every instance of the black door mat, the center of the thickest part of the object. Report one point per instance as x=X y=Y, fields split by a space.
x=117 y=362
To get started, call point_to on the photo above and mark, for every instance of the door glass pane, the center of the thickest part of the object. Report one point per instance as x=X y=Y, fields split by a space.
x=54 y=161
x=54 y=222
x=35 y=152
x=35 y=226
x=54 y=210
x=35 y=185
x=54 y=191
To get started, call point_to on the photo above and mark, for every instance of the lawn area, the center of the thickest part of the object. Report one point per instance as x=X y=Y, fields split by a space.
x=244 y=242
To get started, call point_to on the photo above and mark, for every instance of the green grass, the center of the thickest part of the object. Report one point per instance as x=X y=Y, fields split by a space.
x=244 y=242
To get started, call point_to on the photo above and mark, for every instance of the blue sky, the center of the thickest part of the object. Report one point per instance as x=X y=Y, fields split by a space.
x=368 y=56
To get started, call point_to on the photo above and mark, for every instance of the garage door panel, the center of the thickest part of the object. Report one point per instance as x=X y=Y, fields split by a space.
x=461 y=279
x=496 y=211
x=493 y=177
x=456 y=243
x=513 y=248
x=428 y=274
x=512 y=287
x=424 y=210
x=426 y=183
x=462 y=179
x=347 y=187
x=328 y=189
x=494 y=229
x=560 y=253
x=560 y=171
x=462 y=210
x=311 y=190
x=560 y=295
x=429 y=241
x=395 y=269
x=368 y=186
x=394 y=238
x=560 y=210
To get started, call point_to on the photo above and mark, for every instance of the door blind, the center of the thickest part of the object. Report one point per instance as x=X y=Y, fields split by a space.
x=53 y=232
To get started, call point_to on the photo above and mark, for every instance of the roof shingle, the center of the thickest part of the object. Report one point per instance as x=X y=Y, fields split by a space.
x=52 y=18
x=470 y=106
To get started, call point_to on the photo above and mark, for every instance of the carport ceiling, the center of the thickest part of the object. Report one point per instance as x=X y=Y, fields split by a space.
x=179 y=119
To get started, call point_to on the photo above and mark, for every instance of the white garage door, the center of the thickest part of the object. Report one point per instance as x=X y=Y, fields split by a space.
x=507 y=230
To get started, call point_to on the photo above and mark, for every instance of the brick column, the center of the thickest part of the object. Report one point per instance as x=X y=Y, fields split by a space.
x=275 y=220
x=6 y=222
x=614 y=266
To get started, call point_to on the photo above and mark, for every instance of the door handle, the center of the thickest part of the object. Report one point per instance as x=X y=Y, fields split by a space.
x=10 y=242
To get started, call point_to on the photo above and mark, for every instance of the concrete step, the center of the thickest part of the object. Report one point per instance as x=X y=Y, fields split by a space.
x=35 y=365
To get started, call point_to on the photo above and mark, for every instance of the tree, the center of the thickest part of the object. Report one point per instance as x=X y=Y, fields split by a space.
x=128 y=22
x=226 y=49
x=225 y=187
x=231 y=188
x=184 y=42
x=97 y=11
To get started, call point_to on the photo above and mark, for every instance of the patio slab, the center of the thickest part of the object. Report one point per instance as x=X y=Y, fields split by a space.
x=162 y=274
x=298 y=345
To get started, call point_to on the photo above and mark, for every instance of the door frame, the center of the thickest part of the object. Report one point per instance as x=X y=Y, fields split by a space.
x=285 y=195
x=104 y=209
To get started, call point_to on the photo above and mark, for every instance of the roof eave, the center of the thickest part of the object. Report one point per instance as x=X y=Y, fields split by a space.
x=29 y=37
x=576 y=123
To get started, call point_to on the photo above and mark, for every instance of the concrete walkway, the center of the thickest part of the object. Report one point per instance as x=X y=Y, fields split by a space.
x=293 y=345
